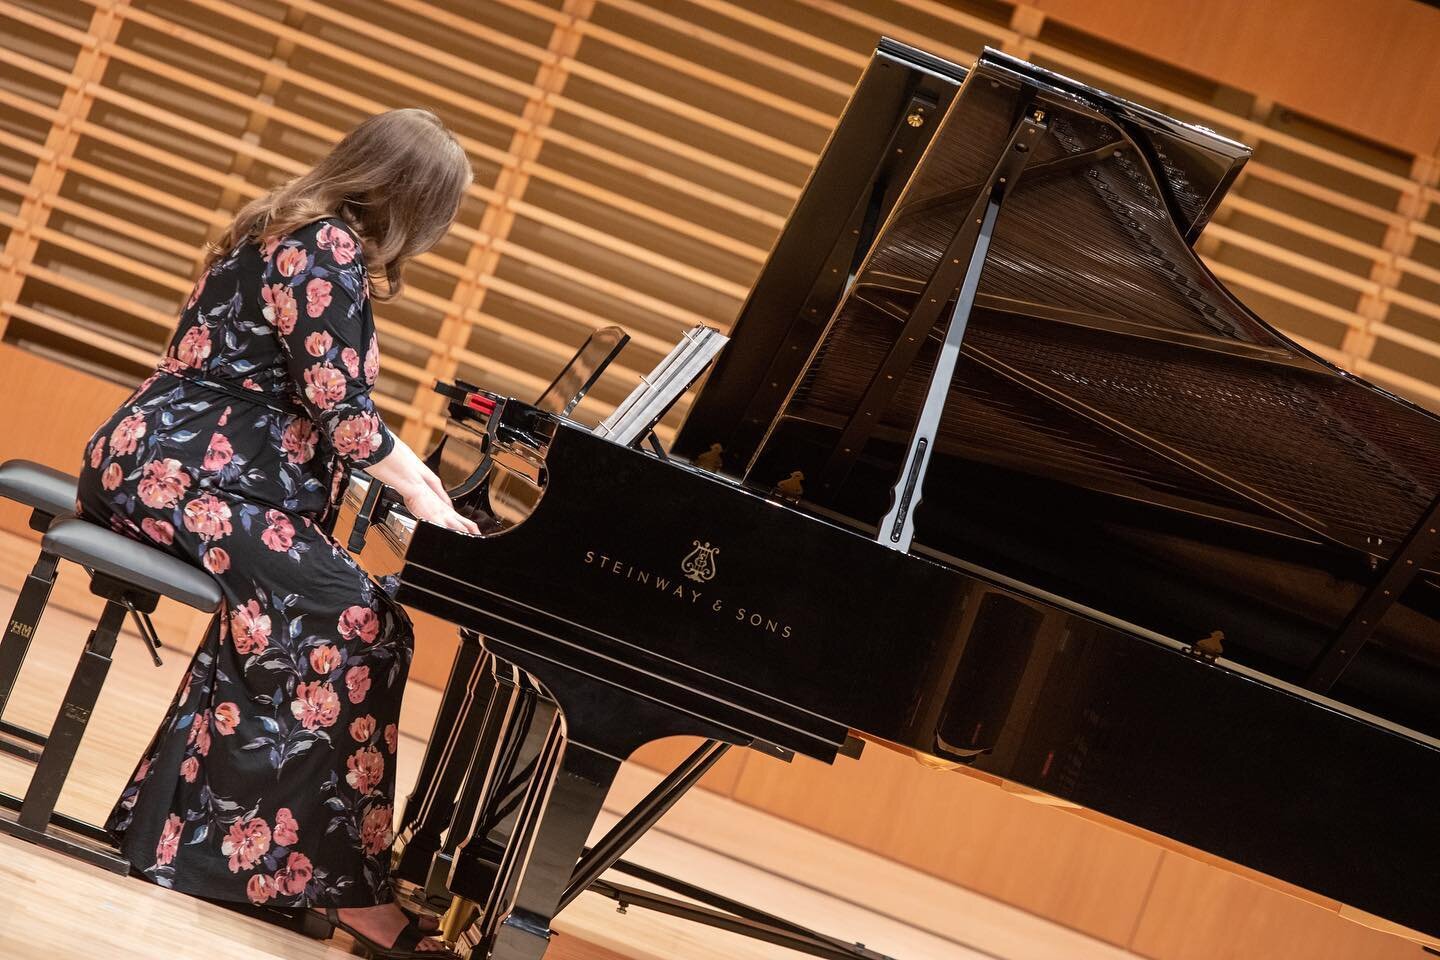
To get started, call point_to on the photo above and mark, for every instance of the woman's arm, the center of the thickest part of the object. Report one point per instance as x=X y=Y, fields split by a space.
x=316 y=289
x=421 y=490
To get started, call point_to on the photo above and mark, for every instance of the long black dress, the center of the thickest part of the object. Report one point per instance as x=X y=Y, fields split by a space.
x=272 y=777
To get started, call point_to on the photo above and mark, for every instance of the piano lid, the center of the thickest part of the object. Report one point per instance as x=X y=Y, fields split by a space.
x=1101 y=349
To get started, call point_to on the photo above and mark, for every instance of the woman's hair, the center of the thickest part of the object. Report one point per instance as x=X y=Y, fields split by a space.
x=397 y=179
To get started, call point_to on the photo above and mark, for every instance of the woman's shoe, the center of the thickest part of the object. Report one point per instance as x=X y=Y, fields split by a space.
x=404 y=947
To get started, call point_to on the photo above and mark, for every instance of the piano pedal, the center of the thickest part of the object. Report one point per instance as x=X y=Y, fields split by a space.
x=461 y=915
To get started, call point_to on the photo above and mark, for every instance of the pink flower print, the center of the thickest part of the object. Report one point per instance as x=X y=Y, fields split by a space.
x=351 y=359
x=194 y=347
x=227 y=716
x=126 y=435
x=376 y=829
x=200 y=733
x=280 y=534
x=97 y=450
x=291 y=261
x=112 y=476
x=325 y=659
x=259 y=888
x=287 y=831
x=324 y=385
x=315 y=705
x=246 y=843
x=250 y=627
x=362 y=728
x=339 y=242
x=190 y=769
x=317 y=297
x=299 y=439
x=267 y=247
x=366 y=766
x=372 y=360
x=357 y=682
x=359 y=621
x=162 y=484
x=291 y=879
x=216 y=560
x=219 y=452
x=280 y=310
x=319 y=343
x=208 y=516
x=161 y=531
x=392 y=737
x=357 y=436
x=224 y=418
x=169 y=843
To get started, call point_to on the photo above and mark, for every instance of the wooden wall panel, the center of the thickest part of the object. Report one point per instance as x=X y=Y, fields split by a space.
x=1368 y=67
x=634 y=160
x=967 y=831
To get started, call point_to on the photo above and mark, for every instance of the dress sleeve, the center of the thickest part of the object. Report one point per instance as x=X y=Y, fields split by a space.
x=316 y=288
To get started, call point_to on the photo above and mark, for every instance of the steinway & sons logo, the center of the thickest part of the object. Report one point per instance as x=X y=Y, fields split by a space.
x=699 y=564
x=697 y=567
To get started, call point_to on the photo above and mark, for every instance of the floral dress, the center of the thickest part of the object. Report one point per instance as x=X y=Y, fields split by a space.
x=272 y=777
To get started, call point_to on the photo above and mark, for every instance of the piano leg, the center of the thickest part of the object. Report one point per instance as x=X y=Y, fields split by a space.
x=585 y=740
x=506 y=751
x=430 y=805
x=519 y=928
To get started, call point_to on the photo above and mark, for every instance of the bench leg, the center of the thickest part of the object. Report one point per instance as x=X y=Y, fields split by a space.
x=38 y=808
x=15 y=643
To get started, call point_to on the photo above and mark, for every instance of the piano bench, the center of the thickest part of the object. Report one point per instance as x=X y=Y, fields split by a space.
x=131 y=577
x=48 y=493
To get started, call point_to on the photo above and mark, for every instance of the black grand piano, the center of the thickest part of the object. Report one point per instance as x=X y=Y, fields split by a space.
x=993 y=470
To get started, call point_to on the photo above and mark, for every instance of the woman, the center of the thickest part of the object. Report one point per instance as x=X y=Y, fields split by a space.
x=272 y=778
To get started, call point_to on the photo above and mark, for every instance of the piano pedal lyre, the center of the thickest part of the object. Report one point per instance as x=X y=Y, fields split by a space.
x=458 y=917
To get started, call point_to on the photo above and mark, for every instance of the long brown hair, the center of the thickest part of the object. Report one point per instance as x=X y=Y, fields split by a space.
x=397 y=179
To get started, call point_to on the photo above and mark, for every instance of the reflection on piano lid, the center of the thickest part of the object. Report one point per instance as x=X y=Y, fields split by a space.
x=1063 y=509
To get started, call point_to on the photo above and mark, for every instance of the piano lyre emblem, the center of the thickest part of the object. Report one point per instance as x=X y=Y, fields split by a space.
x=699 y=564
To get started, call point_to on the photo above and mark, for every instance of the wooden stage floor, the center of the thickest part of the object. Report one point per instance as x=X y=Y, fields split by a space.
x=53 y=908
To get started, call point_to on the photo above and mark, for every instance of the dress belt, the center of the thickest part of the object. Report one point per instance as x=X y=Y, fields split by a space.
x=239 y=393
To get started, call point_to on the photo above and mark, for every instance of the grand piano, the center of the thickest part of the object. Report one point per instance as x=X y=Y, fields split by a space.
x=993 y=471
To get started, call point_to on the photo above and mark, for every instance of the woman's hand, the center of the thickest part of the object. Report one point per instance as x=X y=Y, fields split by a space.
x=422 y=491
x=424 y=503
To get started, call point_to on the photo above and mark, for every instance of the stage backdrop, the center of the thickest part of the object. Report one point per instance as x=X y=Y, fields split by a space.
x=634 y=160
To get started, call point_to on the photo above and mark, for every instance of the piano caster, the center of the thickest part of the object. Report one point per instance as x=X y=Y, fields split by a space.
x=461 y=914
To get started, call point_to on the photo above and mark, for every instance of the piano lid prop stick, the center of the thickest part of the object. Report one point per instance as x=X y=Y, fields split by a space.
x=897 y=529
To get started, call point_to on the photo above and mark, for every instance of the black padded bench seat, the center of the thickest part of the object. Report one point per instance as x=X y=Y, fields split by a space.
x=44 y=489
x=131 y=577
x=136 y=565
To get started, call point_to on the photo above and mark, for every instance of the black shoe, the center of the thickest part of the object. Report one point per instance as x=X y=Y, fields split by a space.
x=404 y=947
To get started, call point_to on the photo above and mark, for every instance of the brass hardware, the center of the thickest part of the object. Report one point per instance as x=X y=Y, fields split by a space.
x=915 y=120
x=710 y=459
x=460 y=915
x=1210 y=647
x=793 y=486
